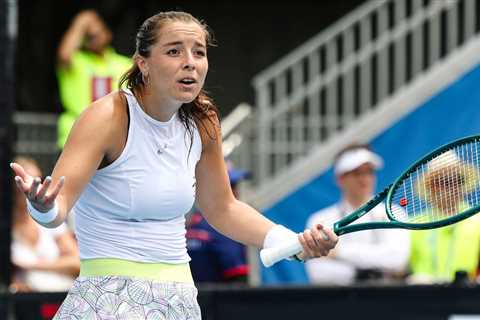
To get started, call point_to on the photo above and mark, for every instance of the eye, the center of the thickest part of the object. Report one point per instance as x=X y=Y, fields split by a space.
x=173 y=52
x=201 y=53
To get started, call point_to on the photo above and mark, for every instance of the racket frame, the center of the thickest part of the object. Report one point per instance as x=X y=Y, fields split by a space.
x=343 y=226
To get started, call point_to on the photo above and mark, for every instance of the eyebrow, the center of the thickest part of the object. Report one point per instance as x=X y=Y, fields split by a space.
x=176 y=43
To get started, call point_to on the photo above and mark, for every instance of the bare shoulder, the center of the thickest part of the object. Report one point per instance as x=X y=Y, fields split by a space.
x=106 y=113
x=108 y=107
x=104 y=120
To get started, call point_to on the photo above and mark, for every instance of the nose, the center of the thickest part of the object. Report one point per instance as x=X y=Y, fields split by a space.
x=189 y=62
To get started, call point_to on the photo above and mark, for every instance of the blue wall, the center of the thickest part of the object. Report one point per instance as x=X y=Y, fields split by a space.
x=451 y=114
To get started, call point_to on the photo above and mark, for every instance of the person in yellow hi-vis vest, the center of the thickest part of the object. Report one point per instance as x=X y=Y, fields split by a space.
x=87 y=68
x=438 y=254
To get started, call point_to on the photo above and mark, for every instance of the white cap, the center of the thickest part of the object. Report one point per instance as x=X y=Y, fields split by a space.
x=352 y=159
x=449 y=158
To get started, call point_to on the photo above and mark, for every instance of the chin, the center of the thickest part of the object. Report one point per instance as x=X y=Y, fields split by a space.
x=185 y=101
x=186 y=98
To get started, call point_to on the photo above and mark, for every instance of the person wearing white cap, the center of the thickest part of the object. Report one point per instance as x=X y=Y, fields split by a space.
x=366 y=255
x=450 y=253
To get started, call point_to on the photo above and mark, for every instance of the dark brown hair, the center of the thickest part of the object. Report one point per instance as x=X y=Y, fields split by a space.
x=198 y=111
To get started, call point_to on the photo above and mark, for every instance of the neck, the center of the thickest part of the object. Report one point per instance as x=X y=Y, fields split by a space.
x=158 y=108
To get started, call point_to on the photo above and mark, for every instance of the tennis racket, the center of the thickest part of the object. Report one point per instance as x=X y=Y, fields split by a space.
x=441 y=188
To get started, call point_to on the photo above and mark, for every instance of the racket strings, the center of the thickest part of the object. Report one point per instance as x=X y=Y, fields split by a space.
x=444 y=186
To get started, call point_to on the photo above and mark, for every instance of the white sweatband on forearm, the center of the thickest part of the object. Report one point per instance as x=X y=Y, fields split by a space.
x=277 y=236
x=43 y=218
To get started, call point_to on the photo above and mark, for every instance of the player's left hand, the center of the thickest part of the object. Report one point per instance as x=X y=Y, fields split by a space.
x=317 y=242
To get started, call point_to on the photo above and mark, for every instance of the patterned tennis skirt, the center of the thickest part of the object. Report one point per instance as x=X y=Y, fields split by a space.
x=125 y=298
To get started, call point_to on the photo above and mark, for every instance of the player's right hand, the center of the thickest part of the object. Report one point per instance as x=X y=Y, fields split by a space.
x=41 y=195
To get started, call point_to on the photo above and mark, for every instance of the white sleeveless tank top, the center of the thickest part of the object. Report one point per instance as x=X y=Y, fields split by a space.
x=135 y=208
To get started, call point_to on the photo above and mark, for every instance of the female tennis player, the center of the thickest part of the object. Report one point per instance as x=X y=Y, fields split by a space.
x=133 y=165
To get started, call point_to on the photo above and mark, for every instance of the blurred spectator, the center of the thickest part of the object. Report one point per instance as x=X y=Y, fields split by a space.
x=366 y=255
x=43 y=259
x=88 y=67
x=216 y=258
x=438 y=255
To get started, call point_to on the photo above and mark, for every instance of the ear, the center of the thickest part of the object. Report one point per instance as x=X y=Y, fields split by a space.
x=142 y=64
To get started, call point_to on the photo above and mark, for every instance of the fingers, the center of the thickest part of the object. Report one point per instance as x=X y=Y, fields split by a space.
x=42 y=190
x=56 y=190
x=317 y=241
x=21 y=185
x=313 y=246
x=38 y=193
x=41 y=195
x=19 y=171
x=332 y=237
x=32 y=193
x=45 y=198
x=22 y=179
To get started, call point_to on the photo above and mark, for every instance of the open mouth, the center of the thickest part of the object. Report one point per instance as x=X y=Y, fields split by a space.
x=187 y=81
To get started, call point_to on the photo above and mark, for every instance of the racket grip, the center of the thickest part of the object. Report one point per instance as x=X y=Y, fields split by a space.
x=270 y=256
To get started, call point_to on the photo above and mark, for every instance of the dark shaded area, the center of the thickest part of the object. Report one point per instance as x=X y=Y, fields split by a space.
x=7 y=78
x=368 y=302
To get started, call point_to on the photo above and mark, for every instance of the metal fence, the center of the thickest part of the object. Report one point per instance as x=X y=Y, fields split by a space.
x=344 y=73
x=36 y=137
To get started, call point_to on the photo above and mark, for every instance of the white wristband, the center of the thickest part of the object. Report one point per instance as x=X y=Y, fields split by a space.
x=43 y=218
x=277 y=236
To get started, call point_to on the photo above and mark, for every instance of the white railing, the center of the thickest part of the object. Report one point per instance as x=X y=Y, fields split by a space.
x=232 y=124
x=343 y=73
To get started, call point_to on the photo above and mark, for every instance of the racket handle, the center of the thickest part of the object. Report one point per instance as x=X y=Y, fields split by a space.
x=271 y=256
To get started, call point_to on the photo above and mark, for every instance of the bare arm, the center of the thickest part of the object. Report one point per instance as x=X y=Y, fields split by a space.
x=75 y=35
x=234 y=218
x=98 y=133
x=67 y=265
x=231 y=217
